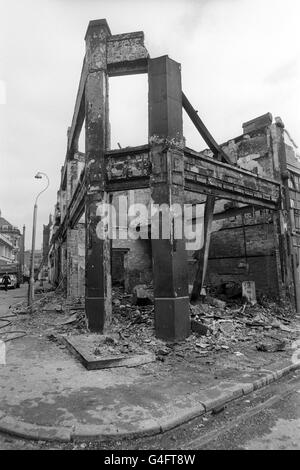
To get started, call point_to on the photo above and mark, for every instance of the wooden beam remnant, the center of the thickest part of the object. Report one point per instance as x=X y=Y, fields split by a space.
x=204 y=132
x=203 y=254
x=79 y=113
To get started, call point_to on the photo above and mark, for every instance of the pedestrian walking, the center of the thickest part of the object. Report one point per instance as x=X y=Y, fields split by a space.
x=6 y=281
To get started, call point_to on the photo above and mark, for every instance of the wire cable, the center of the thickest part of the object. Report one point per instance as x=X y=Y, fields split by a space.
x=20 y=333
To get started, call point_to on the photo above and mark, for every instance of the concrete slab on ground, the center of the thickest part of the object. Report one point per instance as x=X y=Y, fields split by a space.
x=83 y=347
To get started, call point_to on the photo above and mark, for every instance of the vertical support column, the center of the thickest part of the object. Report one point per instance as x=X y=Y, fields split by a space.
x=97 y=261
x=22 y=252
x=169 y=257
x=203 y=256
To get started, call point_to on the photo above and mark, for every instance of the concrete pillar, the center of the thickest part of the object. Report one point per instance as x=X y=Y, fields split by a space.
x=97 y=262
x=169 y=257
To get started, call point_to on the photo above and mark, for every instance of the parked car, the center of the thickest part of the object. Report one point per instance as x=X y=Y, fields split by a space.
x=13 y=281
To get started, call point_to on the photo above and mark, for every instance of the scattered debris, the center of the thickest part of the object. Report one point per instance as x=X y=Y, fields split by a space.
x=249 y=292
x=218 y=409
x=72 y=319
x=230 y=328
x=271 y=346
x=142 y=295
x=198 y=327
x=227 y=327
x=215 y=302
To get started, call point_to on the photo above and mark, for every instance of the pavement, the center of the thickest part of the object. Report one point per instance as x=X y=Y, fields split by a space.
x=46 y=394
x=269 y=421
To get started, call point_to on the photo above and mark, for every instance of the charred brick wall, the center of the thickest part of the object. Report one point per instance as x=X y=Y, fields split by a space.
x=244 y=249
x=137 y=259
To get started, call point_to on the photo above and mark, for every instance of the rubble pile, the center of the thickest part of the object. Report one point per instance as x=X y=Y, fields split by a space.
x=134 y=324
x=117 y=345
x=217 y=326
x=51 y=311
x=269 y=327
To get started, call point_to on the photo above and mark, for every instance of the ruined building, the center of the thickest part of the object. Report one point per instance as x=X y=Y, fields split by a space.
x=247 y=190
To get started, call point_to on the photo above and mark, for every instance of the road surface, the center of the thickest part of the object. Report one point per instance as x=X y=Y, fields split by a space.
x=266 y=419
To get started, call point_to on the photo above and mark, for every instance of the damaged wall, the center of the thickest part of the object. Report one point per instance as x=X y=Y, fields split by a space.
x=244 y=248
x=135 y=255
x=245 y=245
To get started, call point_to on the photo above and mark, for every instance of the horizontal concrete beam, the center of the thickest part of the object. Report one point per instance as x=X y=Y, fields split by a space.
x=130 y=168
x=206 y=175
x=128 y=164
x=126 y=54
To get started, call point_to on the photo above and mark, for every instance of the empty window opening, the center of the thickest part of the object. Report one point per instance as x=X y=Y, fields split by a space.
x=128 y=110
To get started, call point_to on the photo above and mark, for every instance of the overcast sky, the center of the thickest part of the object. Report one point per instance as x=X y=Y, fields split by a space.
x=240 y=59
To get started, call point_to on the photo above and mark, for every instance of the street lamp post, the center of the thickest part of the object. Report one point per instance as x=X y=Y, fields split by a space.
x=39 y=175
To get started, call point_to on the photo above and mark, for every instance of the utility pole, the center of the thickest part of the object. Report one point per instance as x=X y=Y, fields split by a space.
x=39 y=175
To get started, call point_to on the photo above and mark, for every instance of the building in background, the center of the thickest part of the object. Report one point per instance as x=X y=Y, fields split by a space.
x=6 y=249
x=11 y=243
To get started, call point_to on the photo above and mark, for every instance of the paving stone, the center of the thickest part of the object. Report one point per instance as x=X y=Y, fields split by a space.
x=10 y=425
x=181 y=417
x=247 y=388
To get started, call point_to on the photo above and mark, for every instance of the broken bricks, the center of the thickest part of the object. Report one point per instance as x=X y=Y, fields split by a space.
x=215 y=302
x=227 y=327
x=268 y=346
x=199 y=328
